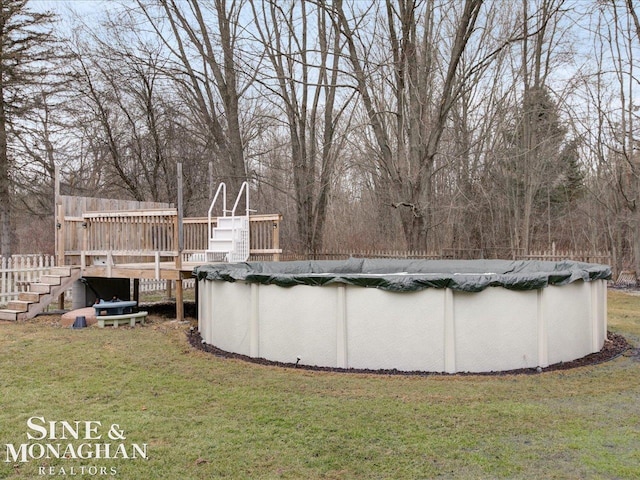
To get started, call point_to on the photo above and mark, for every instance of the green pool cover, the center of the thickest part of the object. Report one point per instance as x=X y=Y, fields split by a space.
x=408 y=275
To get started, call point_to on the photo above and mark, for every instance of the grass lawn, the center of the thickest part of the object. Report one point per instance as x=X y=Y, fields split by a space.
x=205 y=417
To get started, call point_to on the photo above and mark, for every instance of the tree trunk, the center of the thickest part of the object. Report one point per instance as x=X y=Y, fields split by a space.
x=5 y=196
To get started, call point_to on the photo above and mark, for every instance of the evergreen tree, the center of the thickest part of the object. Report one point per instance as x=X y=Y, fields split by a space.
x=569 y=185
x=538 y=163
x=26 y=48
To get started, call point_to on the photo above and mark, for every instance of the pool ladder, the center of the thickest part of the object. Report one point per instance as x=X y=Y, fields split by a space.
x=229 y=239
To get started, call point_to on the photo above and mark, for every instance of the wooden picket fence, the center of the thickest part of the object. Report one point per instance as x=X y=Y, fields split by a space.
x=602 y=257
x=151 y=285
x=17 y=271
x=340 y=255
x=577 y=255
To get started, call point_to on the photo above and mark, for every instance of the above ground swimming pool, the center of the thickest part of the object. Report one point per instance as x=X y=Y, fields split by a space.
x=408 y=315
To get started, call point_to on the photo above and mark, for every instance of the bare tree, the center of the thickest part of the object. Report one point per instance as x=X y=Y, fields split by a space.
x=615 y=149
x=427 y=124
x=305 y=63
x=131 y=109
x=204 y=44
x=426 y=82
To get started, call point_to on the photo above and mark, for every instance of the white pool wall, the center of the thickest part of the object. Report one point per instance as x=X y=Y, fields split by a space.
x=435 y=330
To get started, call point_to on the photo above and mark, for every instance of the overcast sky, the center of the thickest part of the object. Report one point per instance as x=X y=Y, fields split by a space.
x=85 y=8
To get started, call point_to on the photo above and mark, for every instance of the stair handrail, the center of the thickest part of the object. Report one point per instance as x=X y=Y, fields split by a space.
x=244 y=187
x=222 y=187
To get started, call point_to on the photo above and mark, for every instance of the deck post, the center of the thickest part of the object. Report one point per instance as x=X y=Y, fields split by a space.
x=179 y=245
x=60 y=235
x=276 y=239
x=179 y=300
x=85 y=243
x=156 y=264
x=56 y=210
x=109 y=263
x=59 y=226
x=136 y=290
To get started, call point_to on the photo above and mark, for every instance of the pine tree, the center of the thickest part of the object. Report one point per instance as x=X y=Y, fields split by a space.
x=26 y=49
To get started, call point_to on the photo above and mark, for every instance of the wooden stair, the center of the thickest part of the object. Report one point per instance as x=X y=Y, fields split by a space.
x=41 y=294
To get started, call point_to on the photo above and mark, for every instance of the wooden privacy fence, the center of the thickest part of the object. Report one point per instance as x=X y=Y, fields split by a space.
x=17 y=271
x=70 y=221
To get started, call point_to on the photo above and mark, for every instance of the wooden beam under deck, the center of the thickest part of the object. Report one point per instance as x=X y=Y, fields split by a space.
x=136 y=271
x=167 y=271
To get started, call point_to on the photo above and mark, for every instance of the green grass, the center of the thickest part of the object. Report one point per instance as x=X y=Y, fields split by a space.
x=205 y=417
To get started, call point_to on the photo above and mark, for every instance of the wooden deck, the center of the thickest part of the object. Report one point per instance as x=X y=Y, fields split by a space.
x=132 y=240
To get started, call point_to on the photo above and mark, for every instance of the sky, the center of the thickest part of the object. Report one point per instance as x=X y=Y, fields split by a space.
x=64 y=8
x=85 y=6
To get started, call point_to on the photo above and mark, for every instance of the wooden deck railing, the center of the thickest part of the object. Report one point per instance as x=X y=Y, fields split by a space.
x=132 y=236
x=264 y=235
x=91 y=231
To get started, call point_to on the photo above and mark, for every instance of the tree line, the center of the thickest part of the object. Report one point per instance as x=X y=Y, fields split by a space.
x=487 y=126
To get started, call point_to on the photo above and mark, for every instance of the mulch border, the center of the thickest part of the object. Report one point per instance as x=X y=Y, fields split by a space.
x=614 y=346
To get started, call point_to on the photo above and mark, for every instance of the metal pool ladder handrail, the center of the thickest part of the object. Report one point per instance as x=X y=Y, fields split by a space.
x=244 y=187
x=222 y=187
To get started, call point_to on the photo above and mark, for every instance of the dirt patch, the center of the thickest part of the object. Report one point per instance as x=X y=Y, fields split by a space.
x=614 y=346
